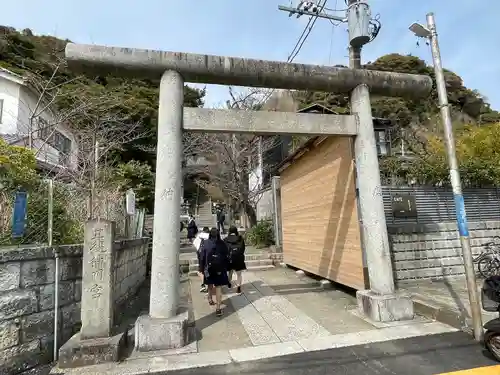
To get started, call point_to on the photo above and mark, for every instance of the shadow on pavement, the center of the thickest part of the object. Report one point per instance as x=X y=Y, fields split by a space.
x=229 y=309
x=425 y=355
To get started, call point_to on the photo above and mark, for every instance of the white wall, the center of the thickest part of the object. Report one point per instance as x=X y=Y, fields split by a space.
x=256 y=176
x=9 y=93
x=45 y=152
x=265 y=206
x=255 y=179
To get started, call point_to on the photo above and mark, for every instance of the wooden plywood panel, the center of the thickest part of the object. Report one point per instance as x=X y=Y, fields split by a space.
x=319 y=214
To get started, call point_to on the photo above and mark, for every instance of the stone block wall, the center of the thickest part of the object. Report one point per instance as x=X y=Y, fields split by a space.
x=129 y=269
x=433 y=251
x=27 y=295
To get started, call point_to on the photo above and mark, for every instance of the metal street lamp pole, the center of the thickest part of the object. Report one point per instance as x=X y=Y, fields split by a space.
x=431 y=33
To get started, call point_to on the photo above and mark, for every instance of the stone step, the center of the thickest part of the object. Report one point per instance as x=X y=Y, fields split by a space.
x=248 y=258
x=249 y=268
x=249 y=263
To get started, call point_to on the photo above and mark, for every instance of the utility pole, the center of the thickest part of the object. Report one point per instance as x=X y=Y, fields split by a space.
x=370 y=203
x=430 y=33
x=354 y=51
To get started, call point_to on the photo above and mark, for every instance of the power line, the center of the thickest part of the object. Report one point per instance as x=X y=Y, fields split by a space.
x=308 y=31
x=331 y=36
x=300 y=38
x=300 y=42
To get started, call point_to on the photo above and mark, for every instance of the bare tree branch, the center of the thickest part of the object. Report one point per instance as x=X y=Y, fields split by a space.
x=235 y=157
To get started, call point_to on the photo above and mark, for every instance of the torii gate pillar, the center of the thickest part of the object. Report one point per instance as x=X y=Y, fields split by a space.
x=165 y=327
x=380 y=303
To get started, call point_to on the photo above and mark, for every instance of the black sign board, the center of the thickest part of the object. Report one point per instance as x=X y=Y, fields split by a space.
x=404 y=206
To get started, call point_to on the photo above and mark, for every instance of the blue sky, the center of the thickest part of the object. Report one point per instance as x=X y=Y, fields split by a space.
x=255 y=28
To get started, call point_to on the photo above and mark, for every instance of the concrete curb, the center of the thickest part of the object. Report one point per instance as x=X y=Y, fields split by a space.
x=453 y=318
x=162 y=364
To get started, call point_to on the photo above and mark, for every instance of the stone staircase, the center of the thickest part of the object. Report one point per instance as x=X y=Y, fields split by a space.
x=255 y=260
x=205 y=218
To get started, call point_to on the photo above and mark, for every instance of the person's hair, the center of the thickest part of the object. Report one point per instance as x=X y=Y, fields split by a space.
x=206 y=230
x=233 y=230
x=214 y=234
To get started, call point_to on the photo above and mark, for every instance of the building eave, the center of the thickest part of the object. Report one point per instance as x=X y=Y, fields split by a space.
x=13 y=77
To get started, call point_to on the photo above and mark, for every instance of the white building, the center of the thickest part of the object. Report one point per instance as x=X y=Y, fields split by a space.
x=26 y=122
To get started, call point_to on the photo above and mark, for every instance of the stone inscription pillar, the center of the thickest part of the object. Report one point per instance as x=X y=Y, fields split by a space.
x=97 y=280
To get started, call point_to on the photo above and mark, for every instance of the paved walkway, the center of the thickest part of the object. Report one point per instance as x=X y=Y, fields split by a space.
x=276 y=306
x=333 y=354
x=444 y=300
x=278 y=314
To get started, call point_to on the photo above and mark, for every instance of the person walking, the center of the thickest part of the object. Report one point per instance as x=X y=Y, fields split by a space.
x=192 y=229
x=236 y=246
x=220 y=220
x=214 y=265
x=198 y=241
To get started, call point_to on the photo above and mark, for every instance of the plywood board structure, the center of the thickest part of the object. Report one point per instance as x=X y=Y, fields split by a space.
x=321 y=233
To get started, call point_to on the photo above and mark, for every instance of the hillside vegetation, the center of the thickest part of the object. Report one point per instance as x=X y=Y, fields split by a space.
x=41 y=59
x=414 y=121
x=417 y=123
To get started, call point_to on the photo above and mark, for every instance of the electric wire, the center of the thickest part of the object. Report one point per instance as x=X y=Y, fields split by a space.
x=298 y=46
x=333 y=32
x=308 y=31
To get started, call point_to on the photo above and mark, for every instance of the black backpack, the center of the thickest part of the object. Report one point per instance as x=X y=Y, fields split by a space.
x=235 y=250
x=216 y=261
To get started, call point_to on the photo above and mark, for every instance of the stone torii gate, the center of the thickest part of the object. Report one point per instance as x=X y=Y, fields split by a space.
x=165 y=327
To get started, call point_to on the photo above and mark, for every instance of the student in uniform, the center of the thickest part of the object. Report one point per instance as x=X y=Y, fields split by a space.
x=192 y=229
x=236 y=246
x=214 y=265
x=197 y=244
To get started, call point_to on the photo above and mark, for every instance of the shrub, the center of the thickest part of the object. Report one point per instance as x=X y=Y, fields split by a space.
x=261 y=235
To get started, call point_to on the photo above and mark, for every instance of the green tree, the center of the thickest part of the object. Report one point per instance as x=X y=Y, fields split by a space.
x=478 y=154
x=17 y=167
x=138 y=176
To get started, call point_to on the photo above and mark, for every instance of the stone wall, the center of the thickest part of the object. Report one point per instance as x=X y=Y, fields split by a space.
x=129 y=269
x=27 y=291
x=433 y=251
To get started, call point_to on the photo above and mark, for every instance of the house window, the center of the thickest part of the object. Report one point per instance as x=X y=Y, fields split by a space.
x=44 y=130
x=1 y=110
x=56 y=139
x=62 y=144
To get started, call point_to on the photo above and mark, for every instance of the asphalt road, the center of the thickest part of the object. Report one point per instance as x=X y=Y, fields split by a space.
x=425 y=355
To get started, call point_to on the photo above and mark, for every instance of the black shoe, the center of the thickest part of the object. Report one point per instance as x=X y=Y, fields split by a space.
x=229 y=285
x=218 y=312
x=238 y=290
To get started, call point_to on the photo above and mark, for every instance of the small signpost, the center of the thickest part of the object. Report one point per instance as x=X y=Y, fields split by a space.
x=19 y=214
x=130 y=202
x=130 y=211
